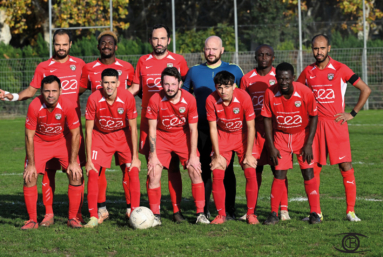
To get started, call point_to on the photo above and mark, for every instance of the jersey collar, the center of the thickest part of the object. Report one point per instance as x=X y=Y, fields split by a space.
x=52 y=61
x=44 y=106
x=328 y=66
x=271 y=73
x=182 y=99
x=233 y=100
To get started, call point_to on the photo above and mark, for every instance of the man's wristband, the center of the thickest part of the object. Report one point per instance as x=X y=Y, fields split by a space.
x=353 y=113
x=15 y=97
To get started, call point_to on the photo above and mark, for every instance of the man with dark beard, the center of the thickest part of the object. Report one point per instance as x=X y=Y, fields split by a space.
x=200 y=80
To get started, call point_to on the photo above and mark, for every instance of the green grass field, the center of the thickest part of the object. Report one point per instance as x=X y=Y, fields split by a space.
x=234 y=238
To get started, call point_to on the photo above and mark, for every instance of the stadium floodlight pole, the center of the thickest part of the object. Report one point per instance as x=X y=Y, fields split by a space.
x=50 y=28
x=111 y=14
x=300 y=63
x=236 y=32
x=364 y=62
x=174 y=26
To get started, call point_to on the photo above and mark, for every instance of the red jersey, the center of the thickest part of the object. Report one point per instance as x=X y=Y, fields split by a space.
x=51 y=126
x=256 y=86
x=68 y=72
x=289 y=115
x=232 y=117
x=172 y=117
x=329 y=86
x=91 y=74
x=108 y=118
x=148 y=73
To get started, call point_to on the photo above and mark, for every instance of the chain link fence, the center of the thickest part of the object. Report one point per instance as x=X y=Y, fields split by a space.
x=16 y=74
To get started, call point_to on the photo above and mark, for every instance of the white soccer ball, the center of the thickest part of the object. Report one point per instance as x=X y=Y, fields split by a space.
x=141 y=218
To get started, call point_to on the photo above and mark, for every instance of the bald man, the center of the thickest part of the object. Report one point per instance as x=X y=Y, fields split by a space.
x=199 y=80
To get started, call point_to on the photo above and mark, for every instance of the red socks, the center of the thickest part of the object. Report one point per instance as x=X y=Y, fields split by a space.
x=175 y=189
x=251 y=190
x=277 y=189
x=74 y=195
x=126 y=182
x=102 y=185
x=198 y=192
x=134 y=185
x=219 y=192
x=350 y=188
x=311 y=188
x=93 y=191
x=48 y=190
x=154 y=195
x=30 y=198
x=285 y=198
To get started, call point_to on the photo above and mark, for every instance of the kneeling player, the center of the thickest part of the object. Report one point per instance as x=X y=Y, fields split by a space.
x=107 y=132
x=52 y=130
x=173 y=117
x=228 y=108
x=289 y=108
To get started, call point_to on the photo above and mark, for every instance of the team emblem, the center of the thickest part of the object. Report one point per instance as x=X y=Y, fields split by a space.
x=72 y=67
x=169 y=65
x=271 y=82
x=330 y=76
x=58 y=116
x=120 y=110
x=182 y=109
x=298 y=104
x=236 y=110
x=119 y=72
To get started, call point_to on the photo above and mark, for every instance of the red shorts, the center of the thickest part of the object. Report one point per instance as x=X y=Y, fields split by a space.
x=287 y=144
x=260 y=140
x=144 y=133
x=333 y=139
x=229 y=142
x=169 y=143
x=105 y=145
x=45 y=151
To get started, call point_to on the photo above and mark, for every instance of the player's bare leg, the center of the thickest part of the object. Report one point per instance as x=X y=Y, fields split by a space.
x=30 y=198
x=175 y=188
x=75 y=196
x=230 y=184
x=198 y=192
x=349 y=183
x=48 y=191
x=154 y=193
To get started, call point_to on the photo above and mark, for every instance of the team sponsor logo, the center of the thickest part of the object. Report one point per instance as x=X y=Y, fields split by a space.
x=257 y=102
x=169 y=65
x=173 y=122
x=330 y=76
x=271 y=82
x=119 y=72
x=72 y=67
x=69 y=84
x=153 y=83
x=324 y=94
x=298 y=103
x=182 y=109
x=289 y=120
x=120 y=110
x=58 y=116
x=236 y=110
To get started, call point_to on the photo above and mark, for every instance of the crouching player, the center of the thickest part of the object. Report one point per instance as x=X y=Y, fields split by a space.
x=109 y=114
x=172 y=117
x=231 y=120
x=52 y=130
x=289 y=108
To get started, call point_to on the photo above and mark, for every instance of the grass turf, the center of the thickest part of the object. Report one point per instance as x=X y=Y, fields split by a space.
x=235 y=238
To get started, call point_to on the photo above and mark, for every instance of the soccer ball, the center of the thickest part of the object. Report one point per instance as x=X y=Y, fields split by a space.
x=141 y=218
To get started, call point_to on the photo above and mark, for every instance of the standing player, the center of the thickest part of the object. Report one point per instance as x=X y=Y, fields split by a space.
x=231 y=120
x=290 y=117
x=173 y=117
x=148 y=79
x=52 y=130
x=68 y=69
x=255 y=83
x=110 y=116
x=328 y=79
x=91 y=79
x=200 y=81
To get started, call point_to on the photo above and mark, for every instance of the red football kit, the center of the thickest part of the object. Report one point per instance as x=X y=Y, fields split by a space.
x=52 y=138
x=290 y=118
x=148 y=76
x=256 y=86
x=329 y=87
x=173 y=133
x=91 y=74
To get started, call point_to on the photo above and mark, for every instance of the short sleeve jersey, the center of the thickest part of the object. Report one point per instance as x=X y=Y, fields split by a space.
x=289 y=115
x=172 y=117
x=230 y=118
x=51 y=126
x=108 y=118
x=68 y=72
x=91 y=75
x=148 y=73
x=256 y=86
x=329 y=86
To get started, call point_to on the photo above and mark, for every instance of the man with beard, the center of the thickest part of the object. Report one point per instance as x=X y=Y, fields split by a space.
x=91 y=79
x=328 y=79
x=173 y=117
x=148 y=80
x=200 y=80
x=68 y=69
x=255 y=83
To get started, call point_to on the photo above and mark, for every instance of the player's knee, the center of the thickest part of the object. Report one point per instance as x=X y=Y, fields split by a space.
x=280 y=174
x=308 y=174
x=345 y=166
